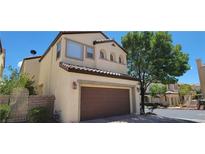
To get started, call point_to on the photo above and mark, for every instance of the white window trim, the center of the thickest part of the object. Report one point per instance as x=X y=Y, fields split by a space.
x=66 y=52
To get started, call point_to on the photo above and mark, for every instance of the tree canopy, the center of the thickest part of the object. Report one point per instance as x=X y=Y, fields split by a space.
x=157 y=88
x=153 y=58
x=185 y=89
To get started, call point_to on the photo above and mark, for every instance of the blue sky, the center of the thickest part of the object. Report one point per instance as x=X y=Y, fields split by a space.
x=19 y=44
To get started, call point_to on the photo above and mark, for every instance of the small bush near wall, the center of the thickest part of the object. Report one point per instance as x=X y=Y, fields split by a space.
x=39 y=115
x=16 y=80
x=4 y=112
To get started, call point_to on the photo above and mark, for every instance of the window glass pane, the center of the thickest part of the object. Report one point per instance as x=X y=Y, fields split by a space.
x=90 y=52
x=74 y=50
x=102 y=55
x=111 y=58
x=120 y=60
x=58 y=50
x=59 y=47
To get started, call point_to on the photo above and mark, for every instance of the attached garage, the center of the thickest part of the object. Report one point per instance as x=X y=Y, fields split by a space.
x=88 y=93
x=103 y=102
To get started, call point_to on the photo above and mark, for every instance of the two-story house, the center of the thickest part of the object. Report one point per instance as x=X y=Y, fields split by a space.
x=87 y=73
x=2 y=60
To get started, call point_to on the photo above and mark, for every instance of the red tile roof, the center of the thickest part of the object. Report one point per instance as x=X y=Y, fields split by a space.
x=93 y=71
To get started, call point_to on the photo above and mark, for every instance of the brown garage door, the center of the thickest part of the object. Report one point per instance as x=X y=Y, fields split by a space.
x=103 y=102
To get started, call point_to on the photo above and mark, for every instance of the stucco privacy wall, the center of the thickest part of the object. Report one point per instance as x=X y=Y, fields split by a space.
x=68 y=99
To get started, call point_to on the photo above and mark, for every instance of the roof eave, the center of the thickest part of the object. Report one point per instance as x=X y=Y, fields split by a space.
x=95 y=73
x=71 y=32
x=108 y=41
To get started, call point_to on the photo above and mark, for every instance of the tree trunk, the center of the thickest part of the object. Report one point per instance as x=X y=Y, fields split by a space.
x=142 y=109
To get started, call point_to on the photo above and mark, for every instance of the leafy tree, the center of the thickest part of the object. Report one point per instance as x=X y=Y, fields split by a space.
x=16 y=80
x=157 y=88
x=153 y=58
x=185 y=89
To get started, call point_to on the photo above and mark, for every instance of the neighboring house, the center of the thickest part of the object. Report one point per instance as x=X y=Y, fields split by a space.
x=87 y=73
x=171 y=97
x=2 y=60
x=172 y=94
x=201 y=72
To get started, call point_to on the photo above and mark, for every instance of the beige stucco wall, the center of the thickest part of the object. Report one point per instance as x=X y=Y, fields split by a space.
x=201 y=73
x=105 y=64
x=68 y=99
x=49 y=65
x=2 y=55
x=31 y=67
x=59 y=84
x=53 y=80
x=45 y=75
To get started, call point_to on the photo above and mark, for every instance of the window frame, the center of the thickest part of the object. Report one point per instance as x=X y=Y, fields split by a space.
x=58 y=53
x=113 y=57
x=104 y=55
x=67 y=52
x=120 y=60
x=87 y=46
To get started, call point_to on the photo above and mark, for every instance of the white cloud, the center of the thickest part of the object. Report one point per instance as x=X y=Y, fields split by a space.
x=20 y=63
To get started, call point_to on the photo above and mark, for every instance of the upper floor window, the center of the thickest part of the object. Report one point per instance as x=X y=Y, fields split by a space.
x=90 y=52
x=111 y=57
x=102 y=54
x=74 y=50
x=58 y=50
x=121 y=60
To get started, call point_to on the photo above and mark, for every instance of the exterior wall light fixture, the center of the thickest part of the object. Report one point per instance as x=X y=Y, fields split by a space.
x=74 y=85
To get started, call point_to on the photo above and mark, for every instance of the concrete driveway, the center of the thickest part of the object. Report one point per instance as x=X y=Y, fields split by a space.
x=192 y=115
x=138 y=119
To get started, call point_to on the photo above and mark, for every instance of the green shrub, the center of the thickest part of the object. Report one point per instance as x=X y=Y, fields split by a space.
x=16 y=80
x=4 y=112
x=39 y=115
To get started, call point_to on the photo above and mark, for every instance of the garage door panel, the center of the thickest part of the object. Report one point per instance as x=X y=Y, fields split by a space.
x=103 y=102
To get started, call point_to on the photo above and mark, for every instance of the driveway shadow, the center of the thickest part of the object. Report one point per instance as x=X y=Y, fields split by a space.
x=138 y=119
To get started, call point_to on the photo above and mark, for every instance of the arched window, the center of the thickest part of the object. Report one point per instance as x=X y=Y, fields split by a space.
x=102 y=54
x=120 y=60
x=111 y=57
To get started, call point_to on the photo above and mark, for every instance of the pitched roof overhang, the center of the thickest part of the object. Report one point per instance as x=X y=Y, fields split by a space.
x=107 y=41
x=70 y=32
x=1 y=49
x=29 y=58
x=93 y=71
